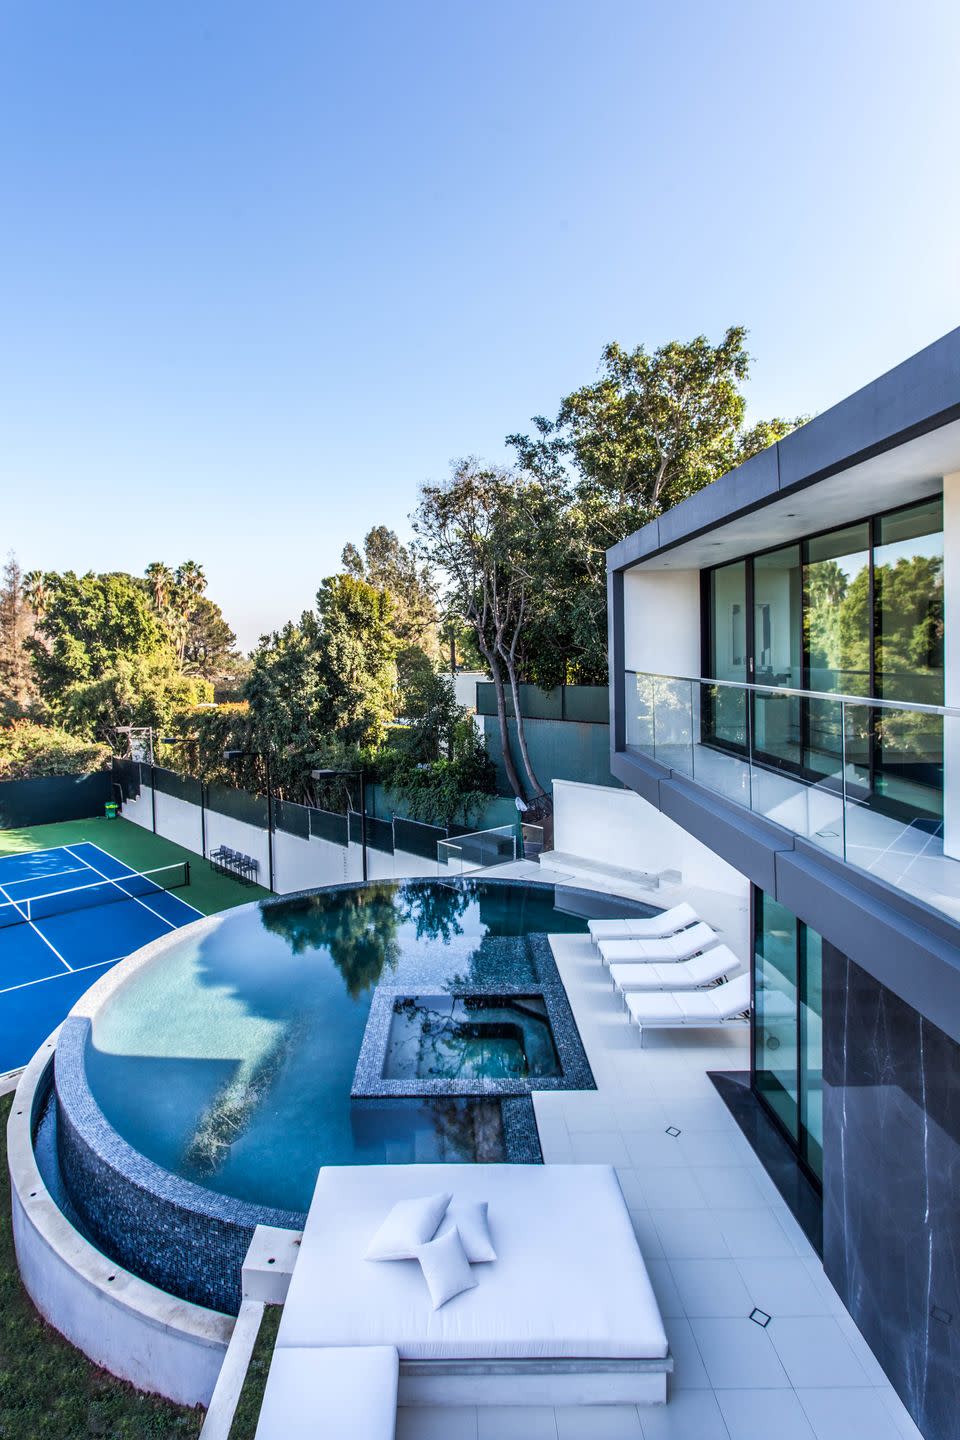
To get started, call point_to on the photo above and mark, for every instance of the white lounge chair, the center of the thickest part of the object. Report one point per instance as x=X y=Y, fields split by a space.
x=723 y=1005
x=674 y=947
x=649 y=927
x=714 y=964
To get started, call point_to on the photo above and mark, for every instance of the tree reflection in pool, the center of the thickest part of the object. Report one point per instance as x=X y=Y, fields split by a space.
x=229 y=1059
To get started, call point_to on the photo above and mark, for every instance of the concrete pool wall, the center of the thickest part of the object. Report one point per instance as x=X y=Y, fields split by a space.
x=158 y=1343
x=182 y=1237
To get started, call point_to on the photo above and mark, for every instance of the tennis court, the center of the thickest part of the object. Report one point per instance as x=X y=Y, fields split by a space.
x=66 y=914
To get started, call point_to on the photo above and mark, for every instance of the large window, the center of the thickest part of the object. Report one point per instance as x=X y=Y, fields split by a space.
x=787 y=1028
x=855 y=611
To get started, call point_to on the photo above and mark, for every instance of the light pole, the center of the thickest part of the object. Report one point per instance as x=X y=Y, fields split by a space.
x=263 y=755
x=351 y=775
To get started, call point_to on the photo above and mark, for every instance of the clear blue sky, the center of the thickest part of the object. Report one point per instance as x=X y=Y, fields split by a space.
x=266 y=267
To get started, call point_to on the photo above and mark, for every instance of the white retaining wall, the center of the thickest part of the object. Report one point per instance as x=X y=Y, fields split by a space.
x=298 y=864
x=617 y=827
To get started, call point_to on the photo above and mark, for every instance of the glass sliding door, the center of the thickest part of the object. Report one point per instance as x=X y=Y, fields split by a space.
x=775 y=1010
x=856 y=611
x=778 y=654
x=811 y=1049
x=837 y=631
x=788 y=1025
x=724 y=712
x=908 y=586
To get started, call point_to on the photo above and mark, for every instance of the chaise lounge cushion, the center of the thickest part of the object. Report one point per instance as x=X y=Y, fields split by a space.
x=699 y=1007
x=336 y=1392
x=569 y=1280
x=668 y=922
x=714 y=964
x=671 y=947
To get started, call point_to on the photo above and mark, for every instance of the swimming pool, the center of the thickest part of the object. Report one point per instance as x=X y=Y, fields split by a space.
x=215 y=1078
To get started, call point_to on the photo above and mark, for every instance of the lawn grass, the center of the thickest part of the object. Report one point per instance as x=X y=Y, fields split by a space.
x=49 y=1390
x=141 y=850
x=247 y=1412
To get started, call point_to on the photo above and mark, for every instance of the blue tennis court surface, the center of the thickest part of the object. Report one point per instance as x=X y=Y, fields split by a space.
x=66 y=915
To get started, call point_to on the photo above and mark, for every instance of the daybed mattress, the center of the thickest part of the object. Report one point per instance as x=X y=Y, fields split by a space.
x=569 y=1281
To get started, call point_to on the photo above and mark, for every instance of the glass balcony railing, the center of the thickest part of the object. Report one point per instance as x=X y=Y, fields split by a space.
x=867 y=780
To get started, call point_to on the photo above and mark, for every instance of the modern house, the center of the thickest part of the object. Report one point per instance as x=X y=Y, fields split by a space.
x=785 y=691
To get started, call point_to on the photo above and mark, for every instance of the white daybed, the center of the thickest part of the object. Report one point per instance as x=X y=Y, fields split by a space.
x=564 y=1316
x=652 y=927
x=674 y=947
x=715 y=964
x=337 y=1392
x=723 y=1005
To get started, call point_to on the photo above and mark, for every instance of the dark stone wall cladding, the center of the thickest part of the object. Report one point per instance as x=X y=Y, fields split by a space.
x=891 y=1192
x=186 y=1240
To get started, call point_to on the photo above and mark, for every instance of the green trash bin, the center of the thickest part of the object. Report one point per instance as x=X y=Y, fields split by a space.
x=111 y=809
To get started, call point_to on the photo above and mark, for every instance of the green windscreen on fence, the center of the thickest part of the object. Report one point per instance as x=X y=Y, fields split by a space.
x=238 y=805
x=178 y=787
x=327 y=825
x=293 y=819
x=416 y=838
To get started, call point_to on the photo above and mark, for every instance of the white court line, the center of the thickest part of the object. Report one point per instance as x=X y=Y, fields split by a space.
x=43 y=980
x=10 y=900
x=94 y=846
x=32 y=879
x=117 y=882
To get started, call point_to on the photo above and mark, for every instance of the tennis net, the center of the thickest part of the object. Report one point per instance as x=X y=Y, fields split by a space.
x=137 y=885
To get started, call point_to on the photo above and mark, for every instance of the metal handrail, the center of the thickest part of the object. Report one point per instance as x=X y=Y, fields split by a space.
x=950 y=711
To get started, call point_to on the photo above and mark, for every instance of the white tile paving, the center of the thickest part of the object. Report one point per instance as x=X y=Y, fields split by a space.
x=718 y=1240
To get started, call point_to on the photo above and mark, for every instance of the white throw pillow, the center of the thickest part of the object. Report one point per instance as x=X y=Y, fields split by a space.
x=445 y=1267
x=471 y=1219
x=410 y=1224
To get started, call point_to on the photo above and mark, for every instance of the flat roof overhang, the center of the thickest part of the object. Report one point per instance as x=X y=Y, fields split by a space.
x=887 y=445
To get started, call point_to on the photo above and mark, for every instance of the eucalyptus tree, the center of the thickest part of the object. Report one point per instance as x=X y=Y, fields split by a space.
x=482 y=528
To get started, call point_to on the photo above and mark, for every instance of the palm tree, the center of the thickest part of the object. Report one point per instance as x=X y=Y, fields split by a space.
x=161 y=581
x=36 y=592
x=190 y=585
x=190 y=577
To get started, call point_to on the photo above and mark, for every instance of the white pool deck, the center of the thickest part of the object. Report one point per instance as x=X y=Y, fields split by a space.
x=718 y=1240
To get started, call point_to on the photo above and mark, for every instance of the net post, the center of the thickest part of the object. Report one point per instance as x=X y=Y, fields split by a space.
x=186 y=872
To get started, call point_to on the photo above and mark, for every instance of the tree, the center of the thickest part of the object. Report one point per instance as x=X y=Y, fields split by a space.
x=322 y=690
x=132 y=690
x=387 y=565
x=652 y=430
x=210 y=649
x=202 y=640
x=35 y=592
x=87 y=623
x=161 y=581
x=17 y=690
x=482 y=529
x=102 y=656
x=438 y=763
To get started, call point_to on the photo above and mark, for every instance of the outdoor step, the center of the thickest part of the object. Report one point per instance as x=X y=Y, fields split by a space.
x=580 y=864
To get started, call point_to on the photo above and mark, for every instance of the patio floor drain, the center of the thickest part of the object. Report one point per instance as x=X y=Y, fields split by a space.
x=760 y=1317
x=672 y=1130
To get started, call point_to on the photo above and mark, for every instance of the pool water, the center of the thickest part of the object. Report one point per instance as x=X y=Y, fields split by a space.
x=229 y=1060
x=458 y=1037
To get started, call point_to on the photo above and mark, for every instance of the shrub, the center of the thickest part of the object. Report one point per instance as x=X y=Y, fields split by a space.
x=28 y=750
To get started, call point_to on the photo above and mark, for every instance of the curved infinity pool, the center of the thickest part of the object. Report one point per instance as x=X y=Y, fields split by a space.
x=230 y=1060
x=200 y=1089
